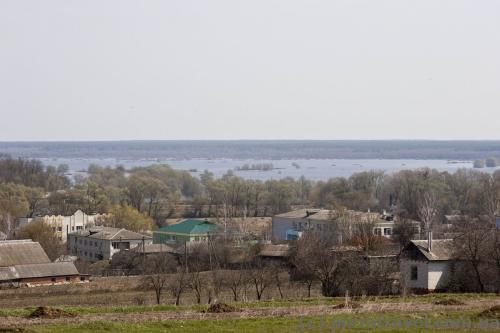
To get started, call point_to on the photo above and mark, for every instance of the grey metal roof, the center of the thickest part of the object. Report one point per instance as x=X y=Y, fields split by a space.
x=442 y=249
x=21 y=252
x=45 y=270
x=37 y=271
x=110 y=233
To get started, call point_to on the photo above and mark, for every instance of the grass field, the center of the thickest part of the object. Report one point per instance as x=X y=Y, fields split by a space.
x=295 y=315
x=397 y=322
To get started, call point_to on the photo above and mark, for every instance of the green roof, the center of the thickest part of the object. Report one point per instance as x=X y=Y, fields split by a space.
x=190 y=226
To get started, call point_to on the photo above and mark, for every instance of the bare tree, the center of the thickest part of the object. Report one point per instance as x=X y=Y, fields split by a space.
x=157 y=269
x=316 y=255
x=235 y=281
x=428 y=210
x=471 y=246
x=279 y=276
x=177 y=285
x=260 y=275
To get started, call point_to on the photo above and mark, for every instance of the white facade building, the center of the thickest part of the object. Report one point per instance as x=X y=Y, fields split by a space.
x=101 y=243
x=63 y=225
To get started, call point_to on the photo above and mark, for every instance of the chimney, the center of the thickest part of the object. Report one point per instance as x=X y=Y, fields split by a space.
x=429 y=241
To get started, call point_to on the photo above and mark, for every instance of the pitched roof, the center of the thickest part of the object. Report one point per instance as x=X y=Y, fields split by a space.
x=442 y=249
x=109 y=233
x=21 y=252
x=190 y=226
x=37 y=271
x=274 y=250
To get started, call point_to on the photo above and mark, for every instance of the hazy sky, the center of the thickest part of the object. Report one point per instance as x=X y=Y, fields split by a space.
x=253 y=69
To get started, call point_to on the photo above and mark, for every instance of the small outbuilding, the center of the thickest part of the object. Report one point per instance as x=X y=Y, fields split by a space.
x=426 y=265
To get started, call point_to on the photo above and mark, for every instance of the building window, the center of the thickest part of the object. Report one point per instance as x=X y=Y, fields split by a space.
x=68 y=278
x=115 y=245
x=85 y=242
x=196 y=239
x=414 y=273
x=80 y=241
x=59 y=229
x=378 y=232
x=85 y=253
x=387 y=231
x=53 y=279
x=79 y=227
x=95 y=244
x=82 y=278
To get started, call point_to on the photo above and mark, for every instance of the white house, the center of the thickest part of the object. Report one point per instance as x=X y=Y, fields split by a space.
x=63 y=225
x=101 y=243
x=425 y=265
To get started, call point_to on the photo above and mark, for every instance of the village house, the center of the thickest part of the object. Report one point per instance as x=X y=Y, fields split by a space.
x=190 y=230
x=101 y=243
x=63 y=225
x=24 y=262
x=425 y=265
x=291 y=225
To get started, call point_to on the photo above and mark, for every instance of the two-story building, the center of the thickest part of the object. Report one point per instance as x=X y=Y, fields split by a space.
x=101 y=243
x=63 y=225
x=291 y=225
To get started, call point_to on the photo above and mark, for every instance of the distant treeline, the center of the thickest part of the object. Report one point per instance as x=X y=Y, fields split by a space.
x=448 y=150
x=28 y=188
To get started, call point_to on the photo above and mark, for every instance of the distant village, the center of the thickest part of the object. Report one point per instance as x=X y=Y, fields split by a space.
x=421 y=264
x=410 y=232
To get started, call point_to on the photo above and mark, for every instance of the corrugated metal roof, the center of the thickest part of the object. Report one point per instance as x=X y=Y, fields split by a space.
x=190 y=226
x=109 y=233
x=21 y=252
x=46 y=270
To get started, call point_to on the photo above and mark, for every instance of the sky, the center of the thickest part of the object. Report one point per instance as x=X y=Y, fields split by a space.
x=259 y=69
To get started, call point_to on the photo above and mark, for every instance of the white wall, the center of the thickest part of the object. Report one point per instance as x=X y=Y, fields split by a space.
x=439 y=274
x=432 y=275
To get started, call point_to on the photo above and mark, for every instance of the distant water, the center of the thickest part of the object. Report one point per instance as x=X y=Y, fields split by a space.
x=318 y=160
x=314 y=169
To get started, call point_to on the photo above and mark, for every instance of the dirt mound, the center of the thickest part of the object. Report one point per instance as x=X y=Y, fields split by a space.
x=50 y=313
x=221 y=308
x=449 y=301
x=491 y=313
x=351 y=305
